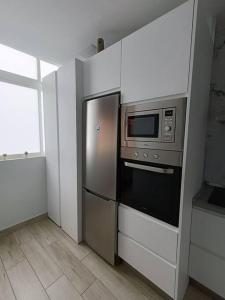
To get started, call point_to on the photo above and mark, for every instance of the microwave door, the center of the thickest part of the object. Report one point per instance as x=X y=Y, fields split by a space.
x=144 y=126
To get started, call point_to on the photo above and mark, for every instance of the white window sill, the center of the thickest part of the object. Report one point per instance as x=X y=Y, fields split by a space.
x=20 y=157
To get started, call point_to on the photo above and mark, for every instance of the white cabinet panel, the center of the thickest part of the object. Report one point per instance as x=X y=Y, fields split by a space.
x=102 y=71
x=149 y=232
x=207 y=269
x=208 y=231
x=51 y=145
x=68 y=154
x=156 y=58
x=146 y=262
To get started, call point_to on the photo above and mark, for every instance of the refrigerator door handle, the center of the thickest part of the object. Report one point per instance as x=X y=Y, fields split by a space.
x=149 y=168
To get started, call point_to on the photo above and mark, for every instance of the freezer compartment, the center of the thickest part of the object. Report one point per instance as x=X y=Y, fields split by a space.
x=100 y=225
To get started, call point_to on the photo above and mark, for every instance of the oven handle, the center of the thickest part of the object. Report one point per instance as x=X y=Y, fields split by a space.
x=149 y=168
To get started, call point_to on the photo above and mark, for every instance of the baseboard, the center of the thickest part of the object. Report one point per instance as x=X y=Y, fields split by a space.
x=22 y=224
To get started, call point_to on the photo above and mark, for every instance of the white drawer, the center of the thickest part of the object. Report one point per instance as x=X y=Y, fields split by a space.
x=157 y=270
x=208 y=269
x=149 y=232
x=208 y=231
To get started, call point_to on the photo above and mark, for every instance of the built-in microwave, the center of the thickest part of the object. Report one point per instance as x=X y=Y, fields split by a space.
x=154 y=124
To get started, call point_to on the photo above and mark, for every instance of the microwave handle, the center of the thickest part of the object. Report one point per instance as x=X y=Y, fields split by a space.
x=149 y=168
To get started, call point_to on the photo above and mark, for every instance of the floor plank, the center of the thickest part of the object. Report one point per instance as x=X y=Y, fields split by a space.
x=137 y=280
x=10 y=252
x=97 y=291
x=118 y=284
x=23 y=235
x=78 y=274
x=6 y=292
x=25 y=283
x=63 y=289
x=80 y=251
x=44 y=266
x=41 y=234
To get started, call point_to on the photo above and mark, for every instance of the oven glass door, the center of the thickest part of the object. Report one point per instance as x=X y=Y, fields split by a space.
x=143 y=126
x=152 y=189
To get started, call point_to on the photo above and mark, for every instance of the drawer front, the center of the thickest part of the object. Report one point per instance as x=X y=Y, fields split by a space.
x=208 y=269
x=208 y=231
x=149 y=232
x=147 y=263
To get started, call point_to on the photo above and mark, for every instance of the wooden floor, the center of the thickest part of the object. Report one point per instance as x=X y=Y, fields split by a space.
x=39 y=261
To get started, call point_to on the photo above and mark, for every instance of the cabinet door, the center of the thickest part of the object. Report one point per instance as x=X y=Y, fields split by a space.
x=102 y=71
x=51 y=145
x=156 y=58
x=68 y=148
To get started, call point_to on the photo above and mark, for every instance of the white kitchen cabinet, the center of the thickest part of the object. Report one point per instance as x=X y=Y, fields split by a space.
x=101 y=72
x=70 y=141
x=208 y=231
x=160 y=272
x=153 y=234
x=156 y=58
x=207 y=251
x=208 y=269
x=50 y=103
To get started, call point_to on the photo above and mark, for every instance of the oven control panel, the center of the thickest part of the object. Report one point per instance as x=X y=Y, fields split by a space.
x=168 y=125
x=173 y=158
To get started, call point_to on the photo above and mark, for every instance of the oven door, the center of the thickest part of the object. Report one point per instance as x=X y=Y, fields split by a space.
x=152 y=189
x=144 y=126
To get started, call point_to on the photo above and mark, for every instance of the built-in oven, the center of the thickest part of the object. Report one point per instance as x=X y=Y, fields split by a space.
x=153 y=189
x=152 y=139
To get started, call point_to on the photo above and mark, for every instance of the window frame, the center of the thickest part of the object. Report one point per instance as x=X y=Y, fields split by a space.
x=35 y=84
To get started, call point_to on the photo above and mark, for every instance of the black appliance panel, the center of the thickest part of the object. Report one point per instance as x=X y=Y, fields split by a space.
x=154 y=193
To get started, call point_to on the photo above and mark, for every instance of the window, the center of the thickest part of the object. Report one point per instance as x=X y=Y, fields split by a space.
x=19 y=120
x=17 y=62
x=21 y=109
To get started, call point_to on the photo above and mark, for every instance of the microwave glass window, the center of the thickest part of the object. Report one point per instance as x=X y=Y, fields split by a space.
x=143 y=126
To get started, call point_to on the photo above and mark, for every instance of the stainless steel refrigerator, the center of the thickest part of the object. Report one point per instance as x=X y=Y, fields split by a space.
x=100 y=174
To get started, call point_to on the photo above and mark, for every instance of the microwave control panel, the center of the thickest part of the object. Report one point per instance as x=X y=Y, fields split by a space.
x=169 y=125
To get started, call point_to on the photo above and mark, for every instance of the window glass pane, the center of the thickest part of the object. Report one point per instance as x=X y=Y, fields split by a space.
x=47 y=68
x=19 y=120
x=17 y=62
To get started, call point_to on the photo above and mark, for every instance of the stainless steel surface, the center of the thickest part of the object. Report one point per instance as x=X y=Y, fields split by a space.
x=173 y=141
x=173 y=158
x=101 y=225
x=149 y=168
x=101 y=145
x=100 y=176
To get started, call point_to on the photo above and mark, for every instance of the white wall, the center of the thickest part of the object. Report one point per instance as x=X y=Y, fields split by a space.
x=22 y=190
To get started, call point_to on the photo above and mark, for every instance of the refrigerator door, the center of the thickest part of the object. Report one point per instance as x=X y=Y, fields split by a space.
x=101 y=145
x=100 y=225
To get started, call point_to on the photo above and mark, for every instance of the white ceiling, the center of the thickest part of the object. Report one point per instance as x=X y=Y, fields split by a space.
x=57 y=30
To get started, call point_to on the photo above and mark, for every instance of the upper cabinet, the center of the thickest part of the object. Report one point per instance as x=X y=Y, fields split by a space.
x=102 y=71
x=156 y=58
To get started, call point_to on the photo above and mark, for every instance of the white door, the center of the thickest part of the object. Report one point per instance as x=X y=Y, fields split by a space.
x=52 y=146
x=156 y=58
x=68 y=148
